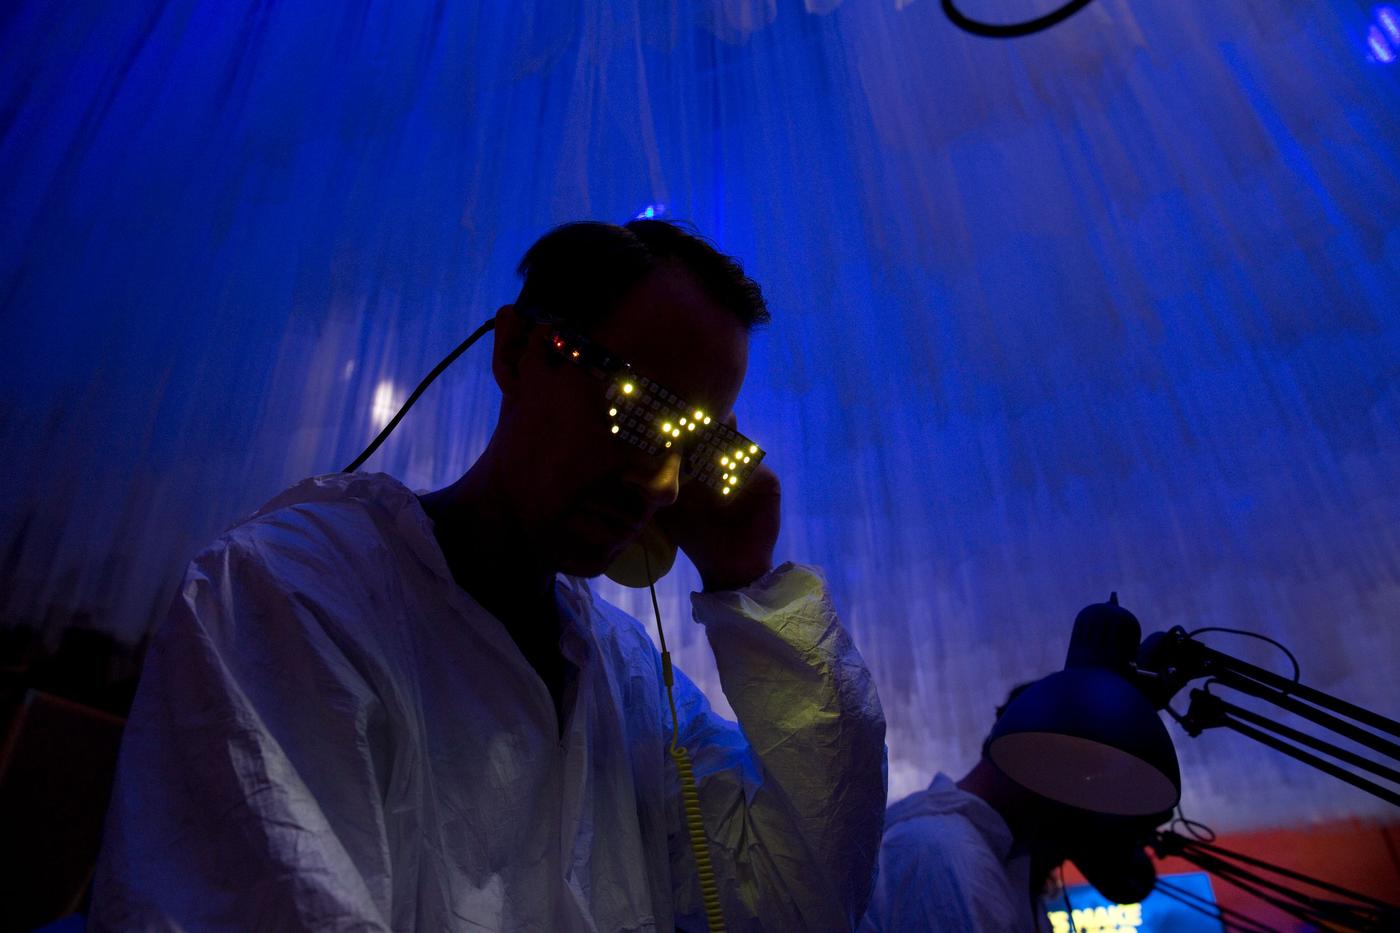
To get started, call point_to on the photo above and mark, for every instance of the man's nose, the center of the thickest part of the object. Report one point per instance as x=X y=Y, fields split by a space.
x=657 y=478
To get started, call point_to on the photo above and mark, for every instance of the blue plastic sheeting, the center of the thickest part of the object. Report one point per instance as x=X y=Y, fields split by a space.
x=1109 y=308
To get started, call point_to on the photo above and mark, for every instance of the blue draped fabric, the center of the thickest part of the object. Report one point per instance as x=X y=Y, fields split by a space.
x=1114 y=307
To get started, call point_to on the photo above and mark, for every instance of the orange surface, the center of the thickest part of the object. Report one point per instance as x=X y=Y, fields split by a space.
x=1362 y=856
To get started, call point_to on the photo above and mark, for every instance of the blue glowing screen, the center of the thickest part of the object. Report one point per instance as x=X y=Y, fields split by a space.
x=1181 y=904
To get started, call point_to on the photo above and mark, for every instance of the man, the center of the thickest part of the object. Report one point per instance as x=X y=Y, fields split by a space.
x=372 y=710
x=958 y=856
x=977 y=854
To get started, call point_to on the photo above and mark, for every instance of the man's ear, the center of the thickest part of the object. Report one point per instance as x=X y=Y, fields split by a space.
x=512 y=340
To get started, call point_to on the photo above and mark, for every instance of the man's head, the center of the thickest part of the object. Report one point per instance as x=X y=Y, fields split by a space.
x=1107 y=849
x=579 y=272
x=653 y=295
x=1039 y=826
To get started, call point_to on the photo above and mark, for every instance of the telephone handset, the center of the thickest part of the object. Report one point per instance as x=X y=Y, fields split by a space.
x=645 y=560
x=718 y=457
x=648 y=416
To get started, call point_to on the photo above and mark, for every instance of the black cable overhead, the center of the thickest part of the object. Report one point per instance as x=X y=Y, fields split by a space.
x=1011 y=30
x=427 y=381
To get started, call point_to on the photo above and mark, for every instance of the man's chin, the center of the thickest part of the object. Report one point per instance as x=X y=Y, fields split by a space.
x=586 y=546
x=584 y=568
x=592 y=562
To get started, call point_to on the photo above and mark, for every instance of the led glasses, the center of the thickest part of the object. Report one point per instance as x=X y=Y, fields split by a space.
x=651 y=418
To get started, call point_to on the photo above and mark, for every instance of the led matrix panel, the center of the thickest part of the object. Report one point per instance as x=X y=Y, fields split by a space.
x=650 y=417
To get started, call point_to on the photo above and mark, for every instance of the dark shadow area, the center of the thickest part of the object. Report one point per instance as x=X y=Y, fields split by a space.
x=61 y=717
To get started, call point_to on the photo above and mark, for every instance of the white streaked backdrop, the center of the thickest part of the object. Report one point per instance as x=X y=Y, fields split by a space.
x=1115 y=307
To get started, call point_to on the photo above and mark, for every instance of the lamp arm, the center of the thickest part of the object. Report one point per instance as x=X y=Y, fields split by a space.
x=1306 y=711
x=1311 y=741
x=1207 y=711
x=1169 y=842
x=1358 y=912
x=1174 y=658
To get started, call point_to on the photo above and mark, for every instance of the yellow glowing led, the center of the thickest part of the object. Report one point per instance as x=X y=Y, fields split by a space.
x=724 y=491
x=627 y=388
x=682 y=420
x=668 y=443
x=612 y=412
x=615 y=429
x=675 y=432
x=666 y=428
x=699 y=414
x=690 y=427
x=726 y=476
x=753 y=448
x=707 y=419
x=733 y=480
x=738 y=454
x=724 y=461
x=746 y=459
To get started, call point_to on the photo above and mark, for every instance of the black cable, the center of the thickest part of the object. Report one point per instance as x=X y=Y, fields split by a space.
x=1012 y=30
x=1226 y=925
x=1297 y=670
x=427 y=381
x=1200 y=849
x=1223 y=914
x=1204 y=835
x=1288 y=903
x=1297 y=903
x=1318 y=911
x=1191 y=827
x=1224 y=853
x=1064 y=892
x=1228 y=916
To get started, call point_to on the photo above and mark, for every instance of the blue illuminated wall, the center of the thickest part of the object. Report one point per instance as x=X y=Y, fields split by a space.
x=1110 y=308
x=1383 y=36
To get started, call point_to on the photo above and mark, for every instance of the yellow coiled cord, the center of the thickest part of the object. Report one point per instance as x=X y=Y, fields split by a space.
x=690 y=793
x=690 y=801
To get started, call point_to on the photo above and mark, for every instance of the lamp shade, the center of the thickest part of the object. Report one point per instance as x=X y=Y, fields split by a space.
x=1087 y=738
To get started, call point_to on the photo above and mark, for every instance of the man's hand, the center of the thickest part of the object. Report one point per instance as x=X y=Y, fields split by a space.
x=730 y=542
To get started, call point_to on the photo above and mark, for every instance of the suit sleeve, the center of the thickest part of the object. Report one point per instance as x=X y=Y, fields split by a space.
x=793 y=795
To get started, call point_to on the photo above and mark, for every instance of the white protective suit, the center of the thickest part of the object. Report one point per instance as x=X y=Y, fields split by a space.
x=330 y=734
x=948 y=863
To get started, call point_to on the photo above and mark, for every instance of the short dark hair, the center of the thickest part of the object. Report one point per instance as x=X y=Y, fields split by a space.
x=1012 y=694
x=1010 y=698
x=578 y=272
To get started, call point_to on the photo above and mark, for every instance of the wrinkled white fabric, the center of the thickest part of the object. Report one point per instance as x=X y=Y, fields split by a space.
x=331 y=734
x=948 y=862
